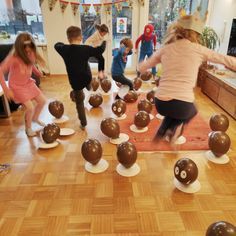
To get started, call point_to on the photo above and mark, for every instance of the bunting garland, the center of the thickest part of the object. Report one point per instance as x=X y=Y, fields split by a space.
x=51 y=4
x=63 y=5
x=118 y=6
x=107 y=7
x=141 y=2
x=86 y=8
x=131 y=4
x=74 y=7
x=97 y=8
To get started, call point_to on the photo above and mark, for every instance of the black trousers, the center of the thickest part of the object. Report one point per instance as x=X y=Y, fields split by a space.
x=79 y=101
x=123 y=80
x=100 y=60
x=176 y=112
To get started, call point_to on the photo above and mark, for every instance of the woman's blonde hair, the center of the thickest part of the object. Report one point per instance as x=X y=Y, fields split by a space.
x=24 y=40
x=175 y=32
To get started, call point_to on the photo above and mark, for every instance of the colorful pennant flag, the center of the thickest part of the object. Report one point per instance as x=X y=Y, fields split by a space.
x=63 y=5
x=51 y=4
x=74 y=7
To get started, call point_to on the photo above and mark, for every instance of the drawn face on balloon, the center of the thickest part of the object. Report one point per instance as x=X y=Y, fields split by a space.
x=119 y=107
x=185 y=171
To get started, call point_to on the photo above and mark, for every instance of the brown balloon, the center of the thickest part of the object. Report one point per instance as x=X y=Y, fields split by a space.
x=95 y=100
x=91 y=151
x=221 y=228
x=106 y=85
x=137 y=83
x=95 y=83
x=118 y=107
x=126 y=154
x=110 y=128
x=219 y=143
x=141 y=119
x=56 y=108
x=151 y=96
x=50 y=133
x=185 y=171
x=146 y=76
x=219 y=122
x=131 y=97
x=145 y=105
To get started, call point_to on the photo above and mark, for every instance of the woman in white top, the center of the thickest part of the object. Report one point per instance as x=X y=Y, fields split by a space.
x=96 y=40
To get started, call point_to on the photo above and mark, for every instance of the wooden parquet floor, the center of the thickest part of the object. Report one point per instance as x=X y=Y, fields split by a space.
x=49 y=193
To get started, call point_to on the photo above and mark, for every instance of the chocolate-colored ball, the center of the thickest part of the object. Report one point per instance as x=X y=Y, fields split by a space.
x=95 y=100
x=126 y=154
x=131 y=96
x=56 y=108
x=95 y=83
x=185 y=171
x=50 y=133
x=118 y=107
x=106 y=85
x=146 y=76
x=137 y=83
x=219 y=122
x=145 y=105
x=141 y=119
x=151 y=96
x=219 y=143
x=91 y=151
x=221 y=228
x=110 y=128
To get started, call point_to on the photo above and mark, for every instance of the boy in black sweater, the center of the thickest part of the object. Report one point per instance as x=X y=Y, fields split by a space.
x=76 y=58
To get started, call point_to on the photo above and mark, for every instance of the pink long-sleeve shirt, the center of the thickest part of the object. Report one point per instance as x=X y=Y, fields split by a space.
x=180 y=63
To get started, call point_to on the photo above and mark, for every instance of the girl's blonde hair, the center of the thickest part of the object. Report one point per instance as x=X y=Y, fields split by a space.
x=175 y=32
x=24 y=40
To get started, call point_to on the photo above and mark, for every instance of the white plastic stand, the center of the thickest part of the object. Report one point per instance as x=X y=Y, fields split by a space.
x=128 y=172
x=122 y=138
x=180 y=140
x=121 y=117
x=124 y=89
x=43 y=145
x=66 y=131
x=188 y=188
x=224 y=159
x=134 y=128
x=151 y=116
x=160 y=117
x=105 y=94
x=100 y=167
x=63 y=119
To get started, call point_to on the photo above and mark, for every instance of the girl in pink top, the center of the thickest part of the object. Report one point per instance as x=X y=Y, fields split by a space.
x=181 y=57
x=22 y=88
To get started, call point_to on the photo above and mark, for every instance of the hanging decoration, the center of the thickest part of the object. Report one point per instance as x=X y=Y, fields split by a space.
x=118 y=6
x=51 y=4
x=130 y=4
x=141 y=2
x=107 y=7
x=97 y=8
x=86 y=8
x=63 y=5
x=40 y=2
x=74 y=7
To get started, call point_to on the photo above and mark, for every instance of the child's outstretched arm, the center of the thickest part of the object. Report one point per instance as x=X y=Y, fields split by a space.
x=154 y=42
x=150 y=62
x=137 y=42
x=93 y=52
x=59 y=47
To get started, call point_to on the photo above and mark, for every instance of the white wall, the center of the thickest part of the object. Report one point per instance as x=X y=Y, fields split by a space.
x=221 y=14
x=55 y=24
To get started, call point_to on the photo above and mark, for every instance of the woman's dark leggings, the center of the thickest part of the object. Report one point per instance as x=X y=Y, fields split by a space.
x=176 y=112
x=123 y=80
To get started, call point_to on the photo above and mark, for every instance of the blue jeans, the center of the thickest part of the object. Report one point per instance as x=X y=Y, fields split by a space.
x=142 y=57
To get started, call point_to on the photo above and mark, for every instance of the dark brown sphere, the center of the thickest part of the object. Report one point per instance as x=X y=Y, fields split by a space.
x=145 y=105
x=141 y=119
x=95 y=83
x=131 y=96
x=137 y=83
x=219 y=122
x=185 y=171
x=126 y=154
x=110 y=128
x=56 y=108
x=221 y=228
x=91 y=151
x=95 y=100
x=151 y=96
x=146 y=76
x=106 y=85
x=219 y=143
x=50 y=133
x=118 y=107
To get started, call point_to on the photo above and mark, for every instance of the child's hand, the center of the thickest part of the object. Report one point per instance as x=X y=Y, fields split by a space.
x=9 y=95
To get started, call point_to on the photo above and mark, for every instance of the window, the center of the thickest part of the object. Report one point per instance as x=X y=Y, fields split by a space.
x=20 y=15
x=163 y=12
